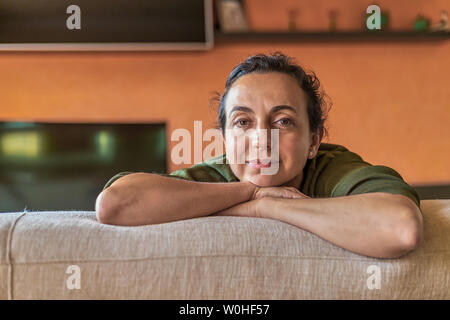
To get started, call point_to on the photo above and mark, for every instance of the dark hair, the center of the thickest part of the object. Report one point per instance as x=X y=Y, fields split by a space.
x=277 y=62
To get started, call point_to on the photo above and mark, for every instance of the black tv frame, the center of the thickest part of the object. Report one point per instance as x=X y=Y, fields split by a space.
x=207 y=44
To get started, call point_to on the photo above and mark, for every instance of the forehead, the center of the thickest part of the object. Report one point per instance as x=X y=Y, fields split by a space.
x=256 y=90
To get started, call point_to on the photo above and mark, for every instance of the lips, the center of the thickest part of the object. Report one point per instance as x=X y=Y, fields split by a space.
x=259 y=163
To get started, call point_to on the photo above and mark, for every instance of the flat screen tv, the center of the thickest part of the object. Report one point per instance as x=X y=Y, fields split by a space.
x=64 y=166
x=106 y=25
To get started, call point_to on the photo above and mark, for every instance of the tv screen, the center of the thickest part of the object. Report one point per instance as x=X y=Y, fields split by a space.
x=105 y=24
x=64 y=166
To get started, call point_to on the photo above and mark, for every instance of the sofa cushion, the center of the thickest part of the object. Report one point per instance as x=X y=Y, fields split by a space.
x=214 y=257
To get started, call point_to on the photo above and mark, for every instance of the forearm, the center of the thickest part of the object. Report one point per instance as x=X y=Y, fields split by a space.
x=373 y=224
x=144 y=198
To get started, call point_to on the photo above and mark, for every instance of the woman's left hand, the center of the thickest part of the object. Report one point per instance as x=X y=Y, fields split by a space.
x=259 y=207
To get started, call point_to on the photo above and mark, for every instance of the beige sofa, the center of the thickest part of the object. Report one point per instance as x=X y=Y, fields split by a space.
x=69 y=255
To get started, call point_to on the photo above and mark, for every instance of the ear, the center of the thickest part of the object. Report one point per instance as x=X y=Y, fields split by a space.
x=316 y=138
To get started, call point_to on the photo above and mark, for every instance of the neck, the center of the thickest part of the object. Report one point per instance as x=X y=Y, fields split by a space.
x=295 y=182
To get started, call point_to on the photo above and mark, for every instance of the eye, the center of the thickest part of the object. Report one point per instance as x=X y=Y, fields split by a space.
x=241 y=122
x=285 y=122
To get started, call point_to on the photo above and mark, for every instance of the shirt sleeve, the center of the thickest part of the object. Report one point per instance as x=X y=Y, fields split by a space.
x=201 y=172
x=374 y=179
x=122 y=174
x=348 y=174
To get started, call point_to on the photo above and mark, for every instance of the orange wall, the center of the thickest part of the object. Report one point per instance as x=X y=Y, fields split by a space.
x=391 y=102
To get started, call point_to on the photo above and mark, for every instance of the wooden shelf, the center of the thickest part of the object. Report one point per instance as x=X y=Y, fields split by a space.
x=339 y=36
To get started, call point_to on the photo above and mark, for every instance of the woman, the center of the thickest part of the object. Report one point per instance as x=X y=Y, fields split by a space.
x=322 y=188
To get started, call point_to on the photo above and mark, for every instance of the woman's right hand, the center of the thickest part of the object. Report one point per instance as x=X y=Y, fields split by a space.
x=277 y=192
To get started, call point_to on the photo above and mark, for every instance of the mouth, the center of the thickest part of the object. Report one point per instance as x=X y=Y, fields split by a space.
x=260 y=163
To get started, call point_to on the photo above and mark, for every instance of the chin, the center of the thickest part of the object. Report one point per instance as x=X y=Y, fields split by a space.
x=265 y=180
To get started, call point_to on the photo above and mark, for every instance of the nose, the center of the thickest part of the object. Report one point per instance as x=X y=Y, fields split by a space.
x=261 y=137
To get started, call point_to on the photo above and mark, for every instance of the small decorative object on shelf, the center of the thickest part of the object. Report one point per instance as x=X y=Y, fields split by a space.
x=333 y=20
x=292 y=14
x=385 y=20
x=231 y=16
x=443 y=24
x=421 y=23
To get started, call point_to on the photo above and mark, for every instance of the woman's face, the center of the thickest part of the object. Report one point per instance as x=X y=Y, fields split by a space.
x=268 y=101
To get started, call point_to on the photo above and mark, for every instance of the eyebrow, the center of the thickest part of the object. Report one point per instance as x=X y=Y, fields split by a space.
x=273 y=110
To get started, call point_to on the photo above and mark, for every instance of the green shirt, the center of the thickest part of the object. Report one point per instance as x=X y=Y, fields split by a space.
x=334 y=172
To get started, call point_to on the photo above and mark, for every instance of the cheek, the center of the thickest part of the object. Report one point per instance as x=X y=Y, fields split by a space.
x=236 y=145
x=292 y=151
x=232 y=150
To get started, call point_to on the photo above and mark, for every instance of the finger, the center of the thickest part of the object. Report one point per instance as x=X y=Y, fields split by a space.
x=297 y=195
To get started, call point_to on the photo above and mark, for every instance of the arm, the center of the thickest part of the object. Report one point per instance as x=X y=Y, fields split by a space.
x=380 y=225
x=145 y=198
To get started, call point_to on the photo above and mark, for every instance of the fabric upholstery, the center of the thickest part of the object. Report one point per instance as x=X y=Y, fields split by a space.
x=215 y=257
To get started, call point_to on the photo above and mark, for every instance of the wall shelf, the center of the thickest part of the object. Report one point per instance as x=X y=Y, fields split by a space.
x=339 y=36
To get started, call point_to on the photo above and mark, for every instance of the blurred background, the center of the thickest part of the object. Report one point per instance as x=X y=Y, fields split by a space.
x=390 y=93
